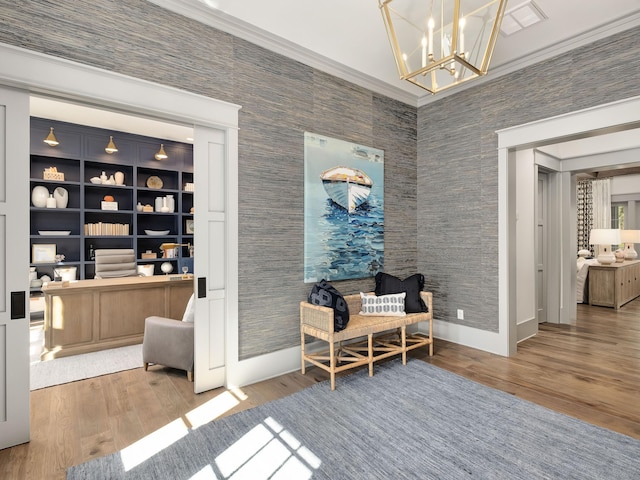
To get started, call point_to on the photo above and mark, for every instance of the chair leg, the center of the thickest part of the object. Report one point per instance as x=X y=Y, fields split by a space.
x=332 y=365
x=303 y=369
x=146 y=366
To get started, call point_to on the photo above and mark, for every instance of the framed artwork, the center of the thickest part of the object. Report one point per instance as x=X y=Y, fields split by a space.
x=43 y=253
x=188 y=226
x=343 y=209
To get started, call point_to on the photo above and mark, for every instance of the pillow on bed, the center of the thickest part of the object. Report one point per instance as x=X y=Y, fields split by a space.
x=326 y=295
x=384 y=305
x=387 y=284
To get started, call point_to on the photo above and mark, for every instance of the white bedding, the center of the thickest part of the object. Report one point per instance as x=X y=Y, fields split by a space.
x=582 y=266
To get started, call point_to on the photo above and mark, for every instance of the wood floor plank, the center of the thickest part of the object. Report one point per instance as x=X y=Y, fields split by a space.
x=589 y=371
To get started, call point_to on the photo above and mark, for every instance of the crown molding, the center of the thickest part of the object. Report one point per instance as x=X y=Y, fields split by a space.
x=219 y=20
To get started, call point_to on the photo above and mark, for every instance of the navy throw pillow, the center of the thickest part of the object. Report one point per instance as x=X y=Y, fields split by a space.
x=387 y=284
x=326 y=295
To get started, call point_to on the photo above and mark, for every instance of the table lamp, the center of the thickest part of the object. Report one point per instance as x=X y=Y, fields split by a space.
x=630 y=238
x=604 y=238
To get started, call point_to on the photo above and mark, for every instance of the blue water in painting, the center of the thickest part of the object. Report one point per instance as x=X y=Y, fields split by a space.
x=340 y=245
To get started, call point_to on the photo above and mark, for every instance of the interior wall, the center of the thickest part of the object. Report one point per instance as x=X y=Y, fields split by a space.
x=525 y=235
x=458 y=165
x=280 y=99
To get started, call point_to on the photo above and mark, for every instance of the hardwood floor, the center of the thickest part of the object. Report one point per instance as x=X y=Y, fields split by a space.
x=590 y=371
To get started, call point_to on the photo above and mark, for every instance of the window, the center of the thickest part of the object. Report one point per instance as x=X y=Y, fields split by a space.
x=617 y=219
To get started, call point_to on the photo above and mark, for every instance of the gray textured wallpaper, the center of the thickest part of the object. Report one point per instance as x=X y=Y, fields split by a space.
x=458 y=164
x=280 y=99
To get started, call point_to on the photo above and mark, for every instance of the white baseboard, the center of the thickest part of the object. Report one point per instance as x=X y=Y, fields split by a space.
x=491 y=342
x=527 y=329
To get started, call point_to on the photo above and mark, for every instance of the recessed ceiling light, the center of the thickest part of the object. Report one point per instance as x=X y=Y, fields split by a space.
x=520 y=17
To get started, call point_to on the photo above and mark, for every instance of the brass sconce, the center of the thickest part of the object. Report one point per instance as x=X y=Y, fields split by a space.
x=51 y=139
x=111 y=147
x=161 y=155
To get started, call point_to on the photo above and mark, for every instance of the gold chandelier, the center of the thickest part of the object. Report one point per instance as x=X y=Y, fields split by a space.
x=438 y=44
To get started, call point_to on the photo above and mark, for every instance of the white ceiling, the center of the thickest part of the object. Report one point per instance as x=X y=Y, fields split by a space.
x=348 y=37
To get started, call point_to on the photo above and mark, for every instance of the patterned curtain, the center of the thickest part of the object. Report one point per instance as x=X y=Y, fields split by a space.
x=593 y=207
x=584 y=204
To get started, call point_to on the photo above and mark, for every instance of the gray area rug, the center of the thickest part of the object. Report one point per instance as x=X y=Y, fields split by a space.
x=414 y=421
x=87 y=365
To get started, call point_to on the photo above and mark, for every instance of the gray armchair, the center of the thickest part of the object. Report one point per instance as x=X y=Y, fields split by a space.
x=169 y=342
x=117 y=262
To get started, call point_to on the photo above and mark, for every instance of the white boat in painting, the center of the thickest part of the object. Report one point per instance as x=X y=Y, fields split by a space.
x=347 y=187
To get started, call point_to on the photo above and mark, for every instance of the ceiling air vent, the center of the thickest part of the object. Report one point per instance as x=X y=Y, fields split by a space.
x=520 y=17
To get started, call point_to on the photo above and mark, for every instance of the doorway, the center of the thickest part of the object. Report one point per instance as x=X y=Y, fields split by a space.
x=21 y=72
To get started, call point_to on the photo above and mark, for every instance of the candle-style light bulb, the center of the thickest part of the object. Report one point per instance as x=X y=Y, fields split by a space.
x=431 y=24
x=424 y=52
x=461 y=26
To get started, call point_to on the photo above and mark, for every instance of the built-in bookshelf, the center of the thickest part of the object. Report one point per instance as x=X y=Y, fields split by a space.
x=109 y=215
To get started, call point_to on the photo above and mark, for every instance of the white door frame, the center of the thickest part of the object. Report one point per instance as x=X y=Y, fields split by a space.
x=615 y=116
x=35 y=73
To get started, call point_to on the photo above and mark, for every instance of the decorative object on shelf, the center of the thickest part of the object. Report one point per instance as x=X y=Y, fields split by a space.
x=64 y=274
x=185 y=271
x=51 y=202
x=54 y=233
x=108 y=203
x=166 y=268
x=33 y=274
x=62 y=197
x=36 y=283
x=630 y=238
x=156 y=232
x=170 y=250
x=92 y=252
x=111 y=147
x=119 y=178
x=154 y=182
x=147 y=208
x=191 y=250
x=95 y=180
x=439 y=44
x=619 y=254
x=188 y=187
x=103 y=177
x=188 y=226
x=161 y=154
x=52 y=173
x=43 y=253
x=139 y=207
x=146 y=270
x=604 y=238
x=148 y=255
x=191 y=210
x=171 y=203
x=51 y=139
x=59 y=258
x=111 y=180
x=39 y=196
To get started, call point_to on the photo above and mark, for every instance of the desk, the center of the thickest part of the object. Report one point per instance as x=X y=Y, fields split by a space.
x=614 y=285
x=91 y=315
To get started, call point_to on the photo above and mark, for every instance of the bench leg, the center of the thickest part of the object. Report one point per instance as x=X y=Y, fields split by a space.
x=431 y=337
x=302 y=352
x=332 y=365
x=404 y=345
x=370 y=343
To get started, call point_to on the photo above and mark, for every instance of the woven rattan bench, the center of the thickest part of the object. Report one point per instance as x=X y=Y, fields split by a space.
x=383 y=336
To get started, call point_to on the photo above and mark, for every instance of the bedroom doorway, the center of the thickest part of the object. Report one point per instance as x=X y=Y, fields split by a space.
x=542 y=242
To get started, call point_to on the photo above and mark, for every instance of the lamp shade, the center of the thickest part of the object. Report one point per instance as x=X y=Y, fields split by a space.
x=630 y=236
x=604 y=236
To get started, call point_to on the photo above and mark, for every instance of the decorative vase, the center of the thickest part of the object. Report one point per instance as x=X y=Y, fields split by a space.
x=119 y=176
x=111 y=181
x=103 y=177
x=39 y=196
x=51 y=202
x=159 y=202
x=171 y=203
x=62 y=197
x=139 y=207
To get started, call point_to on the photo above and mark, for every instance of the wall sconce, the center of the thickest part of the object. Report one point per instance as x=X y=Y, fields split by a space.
x=51 y=139
x=604 y=238
x=630 y=238
x=111 y=147
x=161 y=155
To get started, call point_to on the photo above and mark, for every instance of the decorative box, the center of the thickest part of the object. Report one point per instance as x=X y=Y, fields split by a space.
x=109 y=205
x=49 y=175
x=148 y=254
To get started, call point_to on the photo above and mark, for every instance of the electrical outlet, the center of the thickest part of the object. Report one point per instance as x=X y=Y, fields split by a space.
x=460 y=314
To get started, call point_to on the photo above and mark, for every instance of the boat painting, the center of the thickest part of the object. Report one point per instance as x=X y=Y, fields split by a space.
x=343 y=209
x=347 y=187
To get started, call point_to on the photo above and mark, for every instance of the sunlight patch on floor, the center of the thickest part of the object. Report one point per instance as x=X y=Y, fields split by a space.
x=267 y=451
x=212 y=409
x=147 y=447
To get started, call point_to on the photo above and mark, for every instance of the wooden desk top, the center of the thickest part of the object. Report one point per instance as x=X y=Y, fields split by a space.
x=115 y=283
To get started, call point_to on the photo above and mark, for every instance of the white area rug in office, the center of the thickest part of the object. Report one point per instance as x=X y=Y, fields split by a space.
x=87 y=365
